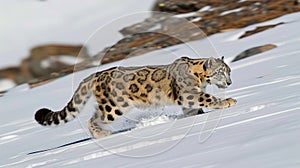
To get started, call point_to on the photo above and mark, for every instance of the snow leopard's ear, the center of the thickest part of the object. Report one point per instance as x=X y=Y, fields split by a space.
x=210 y=63
x=221 y=59
x=206 y=64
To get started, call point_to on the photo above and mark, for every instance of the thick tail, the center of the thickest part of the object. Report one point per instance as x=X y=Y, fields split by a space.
x=46 y=117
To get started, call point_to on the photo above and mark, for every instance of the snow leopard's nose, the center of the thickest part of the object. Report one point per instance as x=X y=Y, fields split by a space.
x=228 y=83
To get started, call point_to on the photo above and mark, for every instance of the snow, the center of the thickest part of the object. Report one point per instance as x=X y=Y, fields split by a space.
x=197 y=19
x=190 y=14
x=262 y=130
x=186 y=15
x=6 y=84
x=206 y=8
x=69 y=60
x=231 y=11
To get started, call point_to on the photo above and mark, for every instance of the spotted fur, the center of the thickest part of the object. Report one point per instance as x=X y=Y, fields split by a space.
x=119 y=89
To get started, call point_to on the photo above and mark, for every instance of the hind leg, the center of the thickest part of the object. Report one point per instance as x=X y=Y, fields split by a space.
x=94 y=125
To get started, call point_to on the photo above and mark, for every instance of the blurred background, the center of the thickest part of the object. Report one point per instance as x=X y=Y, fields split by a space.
x=42 y=40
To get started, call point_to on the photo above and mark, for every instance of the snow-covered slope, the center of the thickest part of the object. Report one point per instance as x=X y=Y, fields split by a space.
x=262 y=130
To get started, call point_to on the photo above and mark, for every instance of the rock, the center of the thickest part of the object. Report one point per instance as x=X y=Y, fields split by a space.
x=32 y=69
x=259 y=29
x=44 y=51
x=254 y=51
x=14 y=74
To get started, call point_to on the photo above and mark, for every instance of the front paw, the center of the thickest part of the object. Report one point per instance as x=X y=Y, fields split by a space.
x=100 y=134
x=231 y=102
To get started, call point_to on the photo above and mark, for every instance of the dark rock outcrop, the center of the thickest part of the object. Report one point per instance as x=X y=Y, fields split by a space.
x=253 y=51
